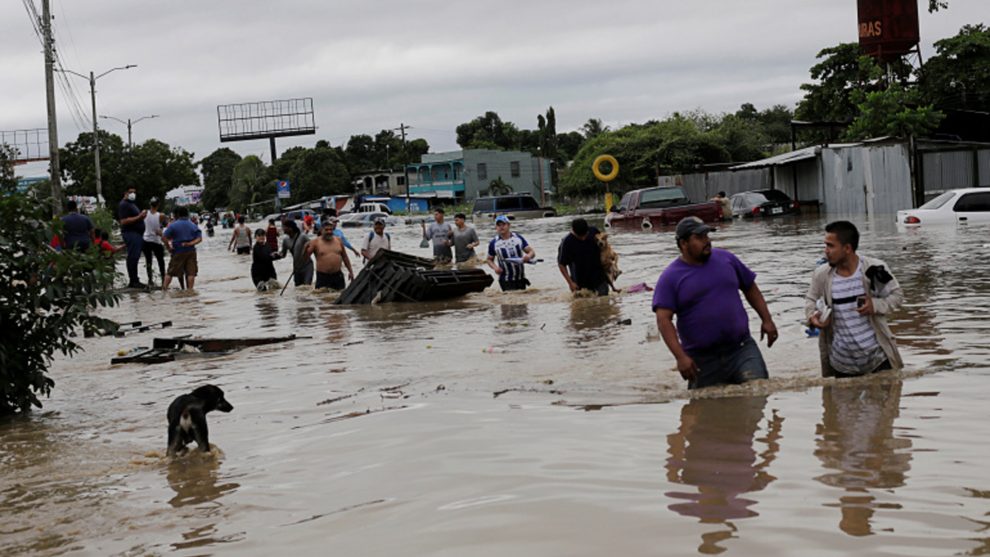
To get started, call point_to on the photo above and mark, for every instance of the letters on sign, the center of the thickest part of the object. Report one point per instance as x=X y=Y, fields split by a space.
x=870 y=29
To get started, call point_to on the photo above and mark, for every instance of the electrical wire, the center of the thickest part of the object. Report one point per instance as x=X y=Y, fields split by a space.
x=70 y=97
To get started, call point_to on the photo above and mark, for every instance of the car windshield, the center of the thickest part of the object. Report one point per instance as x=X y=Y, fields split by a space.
x=660 y=196
x=938 y=201
x=775 y=195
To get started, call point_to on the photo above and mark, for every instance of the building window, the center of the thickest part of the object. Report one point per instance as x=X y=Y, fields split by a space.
x=514 y=168
x=482 y=171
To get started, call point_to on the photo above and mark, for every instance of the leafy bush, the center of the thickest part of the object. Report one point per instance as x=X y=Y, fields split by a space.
x=45 y=296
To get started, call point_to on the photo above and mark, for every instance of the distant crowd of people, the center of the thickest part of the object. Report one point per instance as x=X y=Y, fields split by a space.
x=697 y=299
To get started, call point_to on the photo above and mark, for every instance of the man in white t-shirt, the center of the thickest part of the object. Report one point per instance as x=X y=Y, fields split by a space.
x=152 y=240
x=861 y=292
x=376 y=240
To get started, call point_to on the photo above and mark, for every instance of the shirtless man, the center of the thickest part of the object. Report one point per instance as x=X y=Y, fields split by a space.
x=330 y=253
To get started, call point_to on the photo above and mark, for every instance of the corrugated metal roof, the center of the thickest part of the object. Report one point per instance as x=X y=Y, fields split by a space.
x=777 y=160
x=804 y=154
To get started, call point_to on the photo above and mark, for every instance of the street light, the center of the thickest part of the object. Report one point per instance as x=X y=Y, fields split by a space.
x=129 y=123
x=96 y=134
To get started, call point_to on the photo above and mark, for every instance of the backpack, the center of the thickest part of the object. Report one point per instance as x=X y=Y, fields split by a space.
x=371 y=236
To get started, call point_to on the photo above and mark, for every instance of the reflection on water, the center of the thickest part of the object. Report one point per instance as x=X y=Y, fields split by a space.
x=323 y=407
x=714 y=450
x=337 y=324
x=267 y=309
x=593 y=320
x=856 y=440
x=194 y=479
x=513 y=312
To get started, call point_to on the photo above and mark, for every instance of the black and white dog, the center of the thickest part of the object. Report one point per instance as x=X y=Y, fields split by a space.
x=187 y=417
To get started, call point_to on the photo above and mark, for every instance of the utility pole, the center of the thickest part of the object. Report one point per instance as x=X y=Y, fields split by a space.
x=96 y=132
x=55 y=171
x=96 y=142
x=128 y=123
x=405 y=166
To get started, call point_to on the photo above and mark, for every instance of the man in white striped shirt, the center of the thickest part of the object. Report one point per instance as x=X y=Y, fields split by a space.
x=860 y=292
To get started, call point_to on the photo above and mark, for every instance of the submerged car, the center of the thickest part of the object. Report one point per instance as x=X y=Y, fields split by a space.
x=962 y=206
x=514 y=206
x=367 y=219
x=763 y=203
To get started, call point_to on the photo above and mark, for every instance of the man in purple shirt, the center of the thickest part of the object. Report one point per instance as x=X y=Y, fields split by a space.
x=711 y=343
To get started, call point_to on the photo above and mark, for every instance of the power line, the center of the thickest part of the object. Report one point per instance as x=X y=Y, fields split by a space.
x=69 y=93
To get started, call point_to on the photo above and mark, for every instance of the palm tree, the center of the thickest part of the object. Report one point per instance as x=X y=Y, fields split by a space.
x=498 y=187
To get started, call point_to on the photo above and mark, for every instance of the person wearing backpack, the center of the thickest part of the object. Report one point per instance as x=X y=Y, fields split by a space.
x=376 y=240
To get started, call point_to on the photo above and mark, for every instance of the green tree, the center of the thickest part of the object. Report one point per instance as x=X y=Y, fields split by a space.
x=645 y=150
x=318 y=172
x=416 y=149
x=895 y=111
x=842 y=70
x=79 y=167
x=360 y=151
x=45 y=296
x=744 y=139
x=499 y=187
x=488 y=132
x=568 y=144
x=958 y=76
x=593 y=128
x=218 y=170
x=154 y=168
x=250 y=183
x=936 y=5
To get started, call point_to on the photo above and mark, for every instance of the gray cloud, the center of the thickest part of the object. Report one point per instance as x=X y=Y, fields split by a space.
x=372 y=64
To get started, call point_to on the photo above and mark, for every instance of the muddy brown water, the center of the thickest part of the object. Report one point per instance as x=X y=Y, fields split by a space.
x=394 y=430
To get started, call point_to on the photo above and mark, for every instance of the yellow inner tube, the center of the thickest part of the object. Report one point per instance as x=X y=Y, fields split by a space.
x=596 y=168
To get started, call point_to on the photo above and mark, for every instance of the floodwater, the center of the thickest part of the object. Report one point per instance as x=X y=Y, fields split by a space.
x=520 y=424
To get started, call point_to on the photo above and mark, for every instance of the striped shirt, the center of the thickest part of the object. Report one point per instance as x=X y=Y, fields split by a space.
x=854 y=347
x=513 y=247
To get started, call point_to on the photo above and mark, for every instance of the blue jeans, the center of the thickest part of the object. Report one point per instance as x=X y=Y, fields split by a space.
x=732 y=364
x=135 y=243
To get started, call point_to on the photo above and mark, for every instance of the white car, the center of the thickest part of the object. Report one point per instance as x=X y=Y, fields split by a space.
x=962 y=206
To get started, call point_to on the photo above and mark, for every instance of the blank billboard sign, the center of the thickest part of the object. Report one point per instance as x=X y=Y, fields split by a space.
x=27 y=145
x=266 y=119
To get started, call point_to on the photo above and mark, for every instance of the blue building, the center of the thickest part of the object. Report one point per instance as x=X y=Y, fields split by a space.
x=468 y=174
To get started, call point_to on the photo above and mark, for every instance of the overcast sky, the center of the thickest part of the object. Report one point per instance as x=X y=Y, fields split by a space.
x=373 y=64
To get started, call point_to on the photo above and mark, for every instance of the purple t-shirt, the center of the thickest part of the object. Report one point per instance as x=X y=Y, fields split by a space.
x=706 y=299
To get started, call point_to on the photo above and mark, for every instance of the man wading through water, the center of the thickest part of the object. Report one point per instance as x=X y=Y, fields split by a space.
x=131 y=221
x=330 y=255
x=711 y=343
x=857 y=292
x=295 y=242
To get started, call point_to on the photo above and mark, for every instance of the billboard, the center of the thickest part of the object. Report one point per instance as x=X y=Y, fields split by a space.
x=888 y=29
x=266 y=119
x=28 y=145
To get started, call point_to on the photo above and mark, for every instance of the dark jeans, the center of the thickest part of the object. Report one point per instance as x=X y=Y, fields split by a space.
x=601 y=289
x=732 y=364
x=508 y=285
x=330 y=280
x=885 y=366
x=156 y=250
x=135 y=243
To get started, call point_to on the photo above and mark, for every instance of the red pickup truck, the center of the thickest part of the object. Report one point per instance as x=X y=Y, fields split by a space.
x=647 y=208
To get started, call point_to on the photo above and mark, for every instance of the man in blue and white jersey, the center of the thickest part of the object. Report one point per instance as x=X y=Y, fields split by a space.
x=511 y=251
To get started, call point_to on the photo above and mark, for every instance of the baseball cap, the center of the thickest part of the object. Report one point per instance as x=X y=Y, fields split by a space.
x=502 y=218
x=691 y=225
